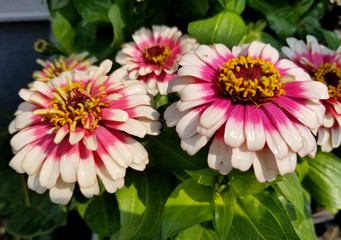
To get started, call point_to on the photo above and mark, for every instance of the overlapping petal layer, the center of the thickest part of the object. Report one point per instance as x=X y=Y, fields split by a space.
x=153 y=56
x=76 y=128
x=258 y=109
x=323 y=65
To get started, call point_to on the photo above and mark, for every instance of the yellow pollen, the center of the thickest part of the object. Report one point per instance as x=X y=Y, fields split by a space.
x=74 y=106
x=156 y=55
x=248 y=80
x=330 y=75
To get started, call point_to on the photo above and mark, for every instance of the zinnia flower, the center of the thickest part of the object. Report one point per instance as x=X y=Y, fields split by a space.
x=60 y=64
x=153 y=56
x=76 y=127
x=323 y=65
x=258 y=109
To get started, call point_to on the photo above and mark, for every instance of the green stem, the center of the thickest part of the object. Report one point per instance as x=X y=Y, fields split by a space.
x=25 y=191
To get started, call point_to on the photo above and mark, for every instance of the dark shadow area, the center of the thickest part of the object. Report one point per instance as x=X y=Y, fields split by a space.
x=18 y=61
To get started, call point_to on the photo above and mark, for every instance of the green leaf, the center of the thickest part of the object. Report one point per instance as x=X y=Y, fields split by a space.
x=261 y=217
x=165 y=152
x=102 y=215
x=226 y=27
x=291 y=188
x=63 y=32
x=305 y=229
x=245 y=183
x=196 y=7
x=331 y=38
x=323 y=180
x=197 y=232
x=236 y=6
x=188 y=205
x=93 y=10
x=141 y=203
x=118 y=24
x=41 y=218
x=223 y=211
x=206 y=177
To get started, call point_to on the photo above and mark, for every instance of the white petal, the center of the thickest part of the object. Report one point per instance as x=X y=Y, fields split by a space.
x=214 y=113
x=264 y=165
x=49 y=172
x=69 y=164
x=17 y=161
x=86 y=172
x=91 y=191
x=219 y=156
x=62 y=192
x=110 y=185
x=76 y=136
x=254 y=130
x=33 y=183
x=187 y=126
x=61 y=133
x=234 y=134
x=90 y=141
x=287 y=164
x=172 y=115
x=34 y=159
x=193 y=144
x=336 y=136
x=242 y=158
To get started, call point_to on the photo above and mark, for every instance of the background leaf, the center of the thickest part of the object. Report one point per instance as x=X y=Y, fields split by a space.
x=226 y=27
x=141 y=203
x=323 y=180
x=63 y=32
x=261 y=217
x=188 y=205
x=102 y=215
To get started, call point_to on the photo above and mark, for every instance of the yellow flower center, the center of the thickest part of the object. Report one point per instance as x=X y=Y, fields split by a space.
x=247 y=80
x=73 y=105
x=330 y=75
x=156 y=55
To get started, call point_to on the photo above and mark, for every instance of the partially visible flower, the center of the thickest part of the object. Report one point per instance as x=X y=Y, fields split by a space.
x=76 y=129
x=323 y=65
x=258 y=109
x=153 y=56
x=60 y=64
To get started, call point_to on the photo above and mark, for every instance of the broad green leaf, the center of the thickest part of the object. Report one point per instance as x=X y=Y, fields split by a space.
x=261 y=217
x=292 y=190
x=118 y=24
x=206 y=177
x=331 y=38
x=223 y=211
x=141 y=203
x=226 y=27
x=323 y=180
x=305 y=229
x=245 y=183
x=63 y=32
x=102 y=215
x=188 y=205
x=282 y=26
x=236 y=6
x=57 y=4
x=93 y=10
x=197 y=232
x=40 y=218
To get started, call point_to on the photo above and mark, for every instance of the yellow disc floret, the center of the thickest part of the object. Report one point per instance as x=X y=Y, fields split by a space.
x=330 y=75
x=73 y=105
x=249 y=80
x=156 y=55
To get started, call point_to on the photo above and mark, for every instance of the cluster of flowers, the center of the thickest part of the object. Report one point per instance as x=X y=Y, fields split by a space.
x=79 y=122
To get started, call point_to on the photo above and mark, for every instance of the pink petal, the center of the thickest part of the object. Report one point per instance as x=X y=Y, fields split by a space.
x=254 y=130
x=234 y=129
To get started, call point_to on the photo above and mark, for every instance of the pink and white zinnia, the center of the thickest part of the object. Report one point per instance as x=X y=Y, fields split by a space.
x=258 y=109
x=75 y=129
x=153 y=56
x=323 y=65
